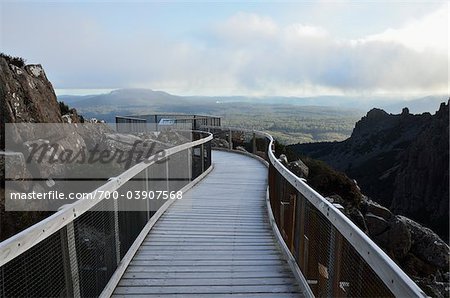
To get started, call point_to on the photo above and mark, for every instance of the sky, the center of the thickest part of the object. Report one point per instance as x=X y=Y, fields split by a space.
x=254 y=48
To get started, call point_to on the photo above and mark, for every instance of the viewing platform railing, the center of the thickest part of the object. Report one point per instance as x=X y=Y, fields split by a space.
x=331 y=255
x=76 y=251
x=81 y=248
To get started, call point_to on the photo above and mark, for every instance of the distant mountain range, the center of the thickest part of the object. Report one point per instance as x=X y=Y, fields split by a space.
x=129 y=98
x=123 y=97
x=289 y=119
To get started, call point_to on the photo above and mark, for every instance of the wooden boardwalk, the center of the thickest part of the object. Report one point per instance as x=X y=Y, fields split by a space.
x=215 y=242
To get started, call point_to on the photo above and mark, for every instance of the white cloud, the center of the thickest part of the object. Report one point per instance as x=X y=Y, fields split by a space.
x=251 y=22
x=301 y=56
x=245 y=54
x=427 y=34
x=301 y=30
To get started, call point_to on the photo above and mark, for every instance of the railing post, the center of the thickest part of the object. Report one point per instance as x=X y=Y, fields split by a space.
x=254 y=143
x=202 y=156
x=189 y=163
x=337 y=266
x=230 y=140
x=167 y=174
x=301 y=246
x=73 y=264
x=331 y=262
x=146 y=189
x=116 y=230
x=66 y=264
x=306 y=256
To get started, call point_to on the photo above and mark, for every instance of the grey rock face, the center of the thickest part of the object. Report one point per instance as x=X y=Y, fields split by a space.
x=418 y=250
x=426 y=245
x=400 y=161
x=421 y=189
x=27 y=95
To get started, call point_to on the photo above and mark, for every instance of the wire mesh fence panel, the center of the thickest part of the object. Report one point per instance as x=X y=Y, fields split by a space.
x=328 y=261
x=133 y=210
x=157 y=183
x=357 y=278
x=39 y=272
x=95 y=243
x=237 y=139
x=317 y=267
x=262 y=145
x=274 y=189
x=207 y=155
x=287 y=214
x=179 y=172
x=197 y=161
x=80 y=258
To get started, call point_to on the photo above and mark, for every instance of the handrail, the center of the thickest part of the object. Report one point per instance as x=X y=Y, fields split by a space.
x=23 y=241
x=387 y=270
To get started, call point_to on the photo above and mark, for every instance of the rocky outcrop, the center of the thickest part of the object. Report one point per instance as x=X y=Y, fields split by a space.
x=220 y=143
x=419 y=251
x=426 y=245
x=72 y=117
x=400 y=161
x=27 y=95
x=299 y=168
x=421 y=185
x=28 y=101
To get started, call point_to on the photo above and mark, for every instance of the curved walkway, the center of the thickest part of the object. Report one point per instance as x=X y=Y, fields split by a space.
x=215 y=242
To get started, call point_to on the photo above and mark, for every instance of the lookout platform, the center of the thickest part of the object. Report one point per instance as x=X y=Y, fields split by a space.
x=215 y=242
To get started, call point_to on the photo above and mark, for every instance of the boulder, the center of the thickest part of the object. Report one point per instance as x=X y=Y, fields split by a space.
x=350 y=211
x=393 y=235
x=14 y=165
x=399 y=237
x=433 y=288
x=220 y=143
x=416 y=267
x=283 y=159
x=299 y=168
x=357 y=217
x=369 y=206
x=427 y=245
x=376 y=224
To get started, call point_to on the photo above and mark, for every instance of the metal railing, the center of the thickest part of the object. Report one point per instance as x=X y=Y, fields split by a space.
x=331 y=254
x=139 y=123
x=76 y=251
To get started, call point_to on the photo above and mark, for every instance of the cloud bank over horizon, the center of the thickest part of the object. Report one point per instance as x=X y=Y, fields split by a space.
x=242 y=52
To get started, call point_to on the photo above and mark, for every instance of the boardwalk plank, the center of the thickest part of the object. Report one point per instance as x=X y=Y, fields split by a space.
x=229 y=289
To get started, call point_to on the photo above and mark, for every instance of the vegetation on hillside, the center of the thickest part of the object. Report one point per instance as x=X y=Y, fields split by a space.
x=324 y=178
x=17 y=61
x=63 y=108
x=289 y=124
